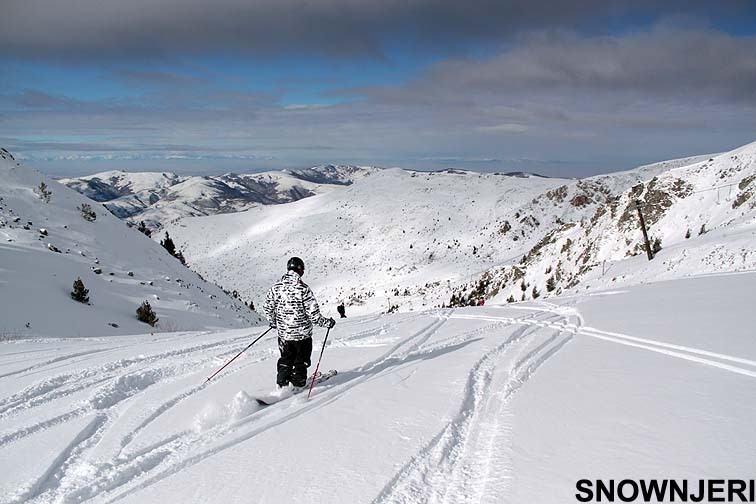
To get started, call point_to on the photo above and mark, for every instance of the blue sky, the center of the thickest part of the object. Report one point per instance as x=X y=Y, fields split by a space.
x=561 y=88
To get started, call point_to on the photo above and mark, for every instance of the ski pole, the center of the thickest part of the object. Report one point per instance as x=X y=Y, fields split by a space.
x=318 y=366
x=237 y=355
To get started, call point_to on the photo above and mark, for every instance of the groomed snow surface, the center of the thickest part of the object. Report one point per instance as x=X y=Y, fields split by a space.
x=512 y=403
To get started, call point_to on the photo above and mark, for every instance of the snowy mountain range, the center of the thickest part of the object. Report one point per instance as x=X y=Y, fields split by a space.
x=50 y=235
x=156 y=198
x=633 y=372
x=407 y=240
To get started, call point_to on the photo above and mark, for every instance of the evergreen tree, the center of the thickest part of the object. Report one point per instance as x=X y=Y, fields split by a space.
x=535 y=293
x=687 y=234
x=142 y=228
x=168 y=244
x=656 y=246
x=702 y=230
x=79 y=293
x=550 y=284
x=180 y=256
x=146 y=315
x=43 y=192
x=510 y=299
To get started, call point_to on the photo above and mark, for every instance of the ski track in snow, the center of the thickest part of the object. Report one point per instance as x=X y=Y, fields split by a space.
x=468 y=460
x=688 y=353
x=60 y=359
x=342 y=383
x=109 y=386
x=65 y=384
x=86 y=437
x=459 y=462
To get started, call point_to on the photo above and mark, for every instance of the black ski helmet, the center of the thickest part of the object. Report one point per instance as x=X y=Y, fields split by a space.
x=295 y=264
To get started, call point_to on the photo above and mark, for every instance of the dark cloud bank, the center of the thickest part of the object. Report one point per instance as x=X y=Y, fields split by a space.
x=107 y=28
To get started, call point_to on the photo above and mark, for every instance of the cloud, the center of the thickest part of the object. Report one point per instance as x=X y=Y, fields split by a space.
x=509 y=128
x=598 y=103
x=305 y=106
x=665 y=62
x=155 y=78
x=35 y=99
x=345 y=28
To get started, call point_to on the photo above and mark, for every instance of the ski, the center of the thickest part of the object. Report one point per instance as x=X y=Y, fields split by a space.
x=278 y=397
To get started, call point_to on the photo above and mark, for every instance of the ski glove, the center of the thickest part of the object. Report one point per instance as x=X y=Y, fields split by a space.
x=331 y=323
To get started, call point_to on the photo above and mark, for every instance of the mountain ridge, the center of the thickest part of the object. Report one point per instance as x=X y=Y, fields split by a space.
x=425 y=239
x=159 y=197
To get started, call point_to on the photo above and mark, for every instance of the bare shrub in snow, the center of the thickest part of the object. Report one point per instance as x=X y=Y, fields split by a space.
x=87 y=212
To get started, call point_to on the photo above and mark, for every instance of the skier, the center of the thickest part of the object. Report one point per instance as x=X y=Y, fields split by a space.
x=341 y=310
x=291 y=309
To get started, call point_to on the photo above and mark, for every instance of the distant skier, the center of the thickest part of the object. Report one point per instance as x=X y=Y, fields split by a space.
x=291 y=308
x=341 y=310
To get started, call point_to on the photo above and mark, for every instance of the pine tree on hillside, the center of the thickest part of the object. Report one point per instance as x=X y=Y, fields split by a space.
x=79 y=293
x=510 y=299
x=168 y=244
x=43 y=192
x=535 y=293
x=146 y=315
x=550 y=284
x=656 y=246
x=142 y=228
x=180 y=256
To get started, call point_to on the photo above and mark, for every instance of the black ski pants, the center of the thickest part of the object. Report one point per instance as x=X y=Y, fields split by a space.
x=294 y=361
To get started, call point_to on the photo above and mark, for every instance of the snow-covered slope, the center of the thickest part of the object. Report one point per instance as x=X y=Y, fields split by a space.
x=364 y=243
x=702 y=214
x=495 y=404
x=45 y=246
x=156 y=198
x=425 y=239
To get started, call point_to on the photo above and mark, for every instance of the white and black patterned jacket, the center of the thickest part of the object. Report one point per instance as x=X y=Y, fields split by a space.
x=292 y=309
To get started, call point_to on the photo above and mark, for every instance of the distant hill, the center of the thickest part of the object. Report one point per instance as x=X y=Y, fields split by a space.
x=156 y=198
